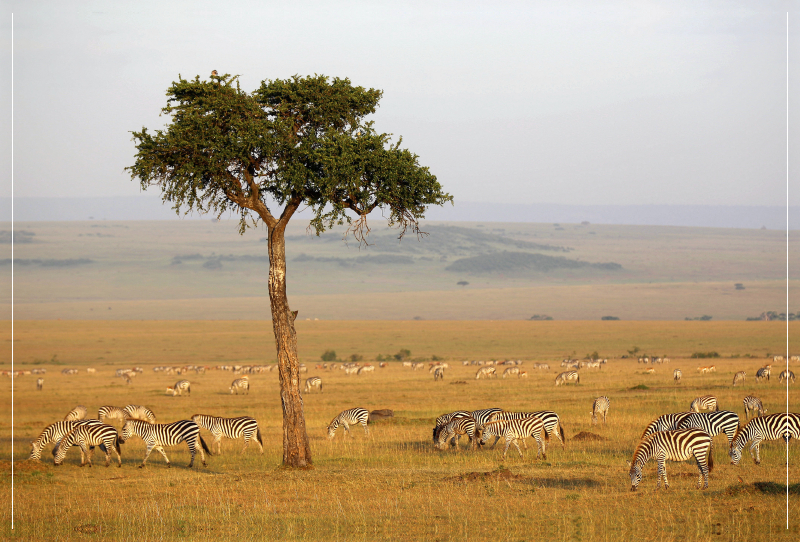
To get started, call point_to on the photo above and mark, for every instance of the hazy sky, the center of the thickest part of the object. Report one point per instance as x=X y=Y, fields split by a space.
x=662 y=102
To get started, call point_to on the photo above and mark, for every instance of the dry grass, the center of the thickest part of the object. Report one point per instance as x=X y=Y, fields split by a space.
x=393 y=484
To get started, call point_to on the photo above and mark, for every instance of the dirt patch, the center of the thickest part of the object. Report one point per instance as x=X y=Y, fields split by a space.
x=499 y=474
x=22 y=466
x=458 y=382
x=587 y=436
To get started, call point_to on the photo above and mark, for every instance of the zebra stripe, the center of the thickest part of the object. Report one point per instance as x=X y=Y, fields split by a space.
x=713 y=423
x=77 y=413
x=444 y=419
x=677 y=445
x=507 y=416
x=111 y=413
x=753 y=404
x=786 y=375
x=454 y=429
x=139 y=412
x=568 y=376
x=311 y=383
x=600 y=406
x=739 y=377
x=763 y=373
x=676 y=375
x=513 y=430
x=348 y=418
x=179 y=387
x=87 y=436
x=772 y=427
x=704 y=402
x=243 y=426
x=54 y=433
x=240 y=384
x=665 y=422
x=438 y=373
x=158 y=435
x=486 y=372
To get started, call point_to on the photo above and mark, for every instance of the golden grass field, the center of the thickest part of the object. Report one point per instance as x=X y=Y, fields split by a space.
x=393 y=484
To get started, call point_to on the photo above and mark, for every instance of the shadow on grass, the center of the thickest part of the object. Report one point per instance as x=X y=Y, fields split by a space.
x=503 y=473
x=764 y=488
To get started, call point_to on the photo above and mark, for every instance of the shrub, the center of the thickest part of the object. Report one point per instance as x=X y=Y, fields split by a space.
x=610 y=318
x=402 y=354
x=353 y=357
x=329 y=355
x=703 y=355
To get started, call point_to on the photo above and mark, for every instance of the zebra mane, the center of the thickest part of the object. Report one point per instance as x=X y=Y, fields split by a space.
x=641 y=450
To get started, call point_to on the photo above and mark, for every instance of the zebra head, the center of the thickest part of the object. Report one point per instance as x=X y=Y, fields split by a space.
x=36 y=450
x=128 y=430
x=736 y=454
x=636 y=476
x=332 y=430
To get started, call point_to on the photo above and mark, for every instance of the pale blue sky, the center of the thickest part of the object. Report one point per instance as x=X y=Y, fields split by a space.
x=662 y=102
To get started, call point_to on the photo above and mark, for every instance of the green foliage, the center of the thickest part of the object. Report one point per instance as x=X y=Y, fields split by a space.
x=635 y=350
x=703 y=355
x=541 y=317
x=402 y=354
x=509 y=262
x=329 y=355
x=640 y=387
x=739 y=286
x=593 y=355
x=704 y=318
x=356 y=357
x=609 y=317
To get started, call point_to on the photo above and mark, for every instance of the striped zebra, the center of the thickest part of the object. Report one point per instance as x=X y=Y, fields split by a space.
x=348 y=418
x=753 y=404
x=552 y=425
x=486 y=372
x=242 y=384
x=179 y=387
x=243 y=426
x=507 y=416
x=54 y=433
x=786 y=375
x=39 y=384
x=444 y=419
x=600 y=406
x=453 y=430
x=772 y=427
x=485 y=415
x=763 y=373
x=568 y=376
x=665 y=422
x=438 y=373
x=676 y=375
x=739 y=378
x=139 y=412
x=88 y=436
x=677 y=445
x=511 y=371
x=312 y=383
x=713 y=423
x=109 y=412
x=158 y=435
x=704 y=402
x=512 y=431
x=77 y=413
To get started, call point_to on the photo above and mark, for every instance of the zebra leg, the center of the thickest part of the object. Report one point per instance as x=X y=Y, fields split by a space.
x=346 y=428
x=662 y=473
x=161 y=450
x=517 y=447
x=246 y=442
x=496 y=439
x=540 y=445
x=218 y=443
x=147 y=454
x=756 y=446
x=508 y=443
x=366 y=429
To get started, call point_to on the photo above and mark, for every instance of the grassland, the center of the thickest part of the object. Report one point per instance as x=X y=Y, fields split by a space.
x=393 y=484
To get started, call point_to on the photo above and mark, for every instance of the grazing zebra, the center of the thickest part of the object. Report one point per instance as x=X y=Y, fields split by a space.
x=243 y=426
x=111 y=413
x=511 y=371
x=485 y=415
x=665 y=422
x=786 y=375
x=238 y=384
x=552 y=425
x=713 y=423
x=158 y=435
x=486 y=372
x=739 y=377
x=179 y=388
x=600 y=406
x=138 y=412
x=348 y=418
x=568 y=376
x=444 y=419
x=438 y=373
x=506 y=416
x=513 y=430
x=39 y=384
x=753 y=404
x=772 y=427
x=77 y=413
x=677 y=445
x=453 y=430
x=705 y=402
x=676 y=375
x=313 y=382
x=87 y=436
x=54 y=433
x=763 y=373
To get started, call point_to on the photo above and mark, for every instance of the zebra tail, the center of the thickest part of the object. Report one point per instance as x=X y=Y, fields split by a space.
x=258 y=436
x=710 y=459
x=116 y=444
x=561 y=432
x=205 y=447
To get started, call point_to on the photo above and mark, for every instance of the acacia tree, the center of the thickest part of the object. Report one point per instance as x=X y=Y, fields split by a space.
x=297 y=142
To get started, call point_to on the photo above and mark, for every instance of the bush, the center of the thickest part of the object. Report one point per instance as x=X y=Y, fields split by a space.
x=329 y=355
x=703 y=355
x=354 y=357
x=610 y=318
x=402 y=354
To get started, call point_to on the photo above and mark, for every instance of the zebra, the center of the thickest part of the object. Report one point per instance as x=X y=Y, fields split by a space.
x=238 y=384
x=552 y=425
x=704 y=402
x=138 y=412
x=782 y=425
x=676 y=375
x=739 y=377
x=763 y=373
x=568 y=376
x=39 y=384
x=506 y=416
x=77 y=413
x=112 y=413
x=713 y=423
x=54 y=433
x=243 y=426
x=513 y=430
x=158 y=435
x=753 y=404
x=348 y=418
x=786 y=375
x=438 y=373
x=486 y=372
x=313 y=382
x=87 y=436
x=444 y=419
x=665 y=422
x=454 y=429
x=600 y=406
x=677 y=445
x=511 y=371
x=179 y=388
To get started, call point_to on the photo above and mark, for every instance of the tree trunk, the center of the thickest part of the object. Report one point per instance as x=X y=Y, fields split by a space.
x=296 y=451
